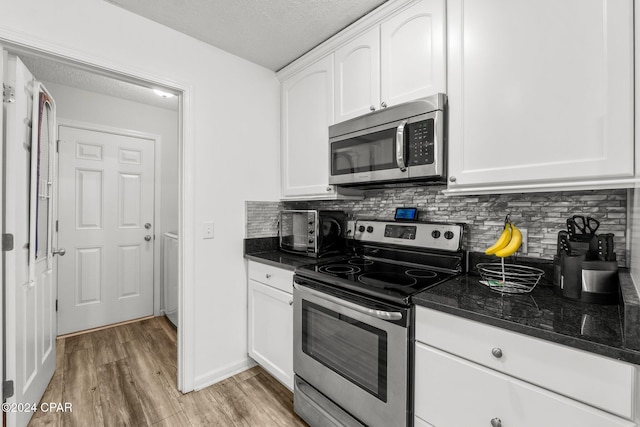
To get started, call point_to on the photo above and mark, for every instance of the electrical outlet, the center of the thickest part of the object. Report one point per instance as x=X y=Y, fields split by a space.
x=207 y=230
x=525 y=240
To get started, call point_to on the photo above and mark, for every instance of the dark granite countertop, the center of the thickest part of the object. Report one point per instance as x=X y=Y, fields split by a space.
x=280 y=259
x=265 y=250
x=542 y=314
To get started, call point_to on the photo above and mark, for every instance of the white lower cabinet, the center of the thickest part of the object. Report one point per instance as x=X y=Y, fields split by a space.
x=271 y=321
x=454 y=392
x=523 y=382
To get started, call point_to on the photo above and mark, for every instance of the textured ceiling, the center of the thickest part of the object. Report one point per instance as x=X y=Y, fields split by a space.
x=271 y=33
x=55 y=72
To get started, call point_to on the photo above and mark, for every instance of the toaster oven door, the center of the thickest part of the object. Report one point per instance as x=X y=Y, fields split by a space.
x=297 y=231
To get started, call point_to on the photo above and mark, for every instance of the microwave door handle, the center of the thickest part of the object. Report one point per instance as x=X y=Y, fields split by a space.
x=400 y=146
x=380 y=314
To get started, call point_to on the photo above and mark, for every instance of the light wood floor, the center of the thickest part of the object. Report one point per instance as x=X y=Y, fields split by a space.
x=125 y=376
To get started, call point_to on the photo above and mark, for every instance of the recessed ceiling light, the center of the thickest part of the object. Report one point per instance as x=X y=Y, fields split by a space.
x=163 y=94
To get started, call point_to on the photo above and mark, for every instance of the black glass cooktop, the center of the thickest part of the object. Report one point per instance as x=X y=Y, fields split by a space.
x=389 y=281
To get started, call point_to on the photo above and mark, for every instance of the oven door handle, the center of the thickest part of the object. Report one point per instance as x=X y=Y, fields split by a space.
x=380 y=314
x=400 y=146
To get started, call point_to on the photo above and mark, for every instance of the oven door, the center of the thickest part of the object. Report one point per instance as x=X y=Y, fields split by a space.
x=355 y=355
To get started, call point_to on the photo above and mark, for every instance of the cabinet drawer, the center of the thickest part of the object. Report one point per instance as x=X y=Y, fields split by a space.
x=598 y=381
x=453 y=392
x=279 y=278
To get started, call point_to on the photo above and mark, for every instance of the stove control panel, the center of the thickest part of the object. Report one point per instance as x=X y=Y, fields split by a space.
x=427 y=235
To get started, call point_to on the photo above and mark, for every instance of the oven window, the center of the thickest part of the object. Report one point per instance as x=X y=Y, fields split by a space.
x=364 y=153
x=353 y=349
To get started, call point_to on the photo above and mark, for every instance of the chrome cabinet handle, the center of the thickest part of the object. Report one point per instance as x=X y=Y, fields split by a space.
x=372 y=108
x=147 y=238
x=384 y=315
x=60 y=252
x=453 y=179
x=400 y=146
x=496 y=422
x=383 y=104
x=496 y=352
x=329 y=188
x=290 y=302
x=268 y=276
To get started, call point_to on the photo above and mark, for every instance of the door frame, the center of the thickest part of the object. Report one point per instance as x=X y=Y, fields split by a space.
x=26 y=44
x=157 y=189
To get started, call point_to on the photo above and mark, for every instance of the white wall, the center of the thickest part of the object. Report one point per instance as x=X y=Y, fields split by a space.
x=235 y=135
x=91 y=107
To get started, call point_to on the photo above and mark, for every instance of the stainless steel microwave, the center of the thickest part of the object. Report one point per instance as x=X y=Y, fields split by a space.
x=403 y=143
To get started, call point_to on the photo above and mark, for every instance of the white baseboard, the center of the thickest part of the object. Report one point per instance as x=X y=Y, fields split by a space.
x=223 y=373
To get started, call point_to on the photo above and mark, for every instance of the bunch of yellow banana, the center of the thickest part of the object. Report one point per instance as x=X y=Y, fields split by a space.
x=508 y=242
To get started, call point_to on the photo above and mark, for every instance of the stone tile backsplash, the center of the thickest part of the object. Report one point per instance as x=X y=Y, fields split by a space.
x=541 y=214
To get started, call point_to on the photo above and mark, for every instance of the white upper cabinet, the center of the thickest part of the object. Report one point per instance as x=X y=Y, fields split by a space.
x=413 y=60
x=357 y=73
x=540 y=94
x=307 y=112
x=399 y=60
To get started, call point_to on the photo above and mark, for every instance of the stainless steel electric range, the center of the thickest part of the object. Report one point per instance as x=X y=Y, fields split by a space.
x=353 y=321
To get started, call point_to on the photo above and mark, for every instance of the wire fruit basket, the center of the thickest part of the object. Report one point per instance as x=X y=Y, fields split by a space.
x=509 y=278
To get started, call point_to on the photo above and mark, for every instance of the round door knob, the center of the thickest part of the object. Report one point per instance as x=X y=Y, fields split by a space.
x=60 y=252
x=452 y=178
x=147 y=225
x=496 y=422
x=147 y=238
x=372 y=108
x=383 y=104
x=496 y=352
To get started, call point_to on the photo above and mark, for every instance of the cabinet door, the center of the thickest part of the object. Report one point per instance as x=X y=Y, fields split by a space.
x=446 y=384
x=307 y=112
x=357 y=73
x=539 y=92
x=413 y=63
x=271 y=330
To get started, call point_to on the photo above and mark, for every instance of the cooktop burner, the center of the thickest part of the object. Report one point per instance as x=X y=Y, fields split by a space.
x=382 y=279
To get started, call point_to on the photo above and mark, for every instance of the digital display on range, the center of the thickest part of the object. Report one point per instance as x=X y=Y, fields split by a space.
x=406 y=214
x=400 y=231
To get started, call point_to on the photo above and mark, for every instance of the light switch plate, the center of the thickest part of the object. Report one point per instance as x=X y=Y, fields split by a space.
x=207 y=230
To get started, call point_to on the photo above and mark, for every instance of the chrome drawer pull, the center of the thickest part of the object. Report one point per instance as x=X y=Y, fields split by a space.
x=496 y=422
x=496 y=352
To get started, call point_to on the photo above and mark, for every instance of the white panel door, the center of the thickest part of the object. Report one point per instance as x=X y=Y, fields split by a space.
x=30 y=323
x=357 y=74
x=106 y=226
x=413 y=63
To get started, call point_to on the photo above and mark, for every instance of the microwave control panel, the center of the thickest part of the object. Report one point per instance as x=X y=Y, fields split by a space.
x=421 y=143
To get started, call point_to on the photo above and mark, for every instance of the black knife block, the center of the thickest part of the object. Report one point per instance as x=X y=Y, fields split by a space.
x=590 y=281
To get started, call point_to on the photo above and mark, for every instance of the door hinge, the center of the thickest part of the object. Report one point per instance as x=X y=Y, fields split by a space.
x=58 y=146
x=8 y=94
x=56 y=305
x=7 y=242
x=56 y=225
x=7 y=389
